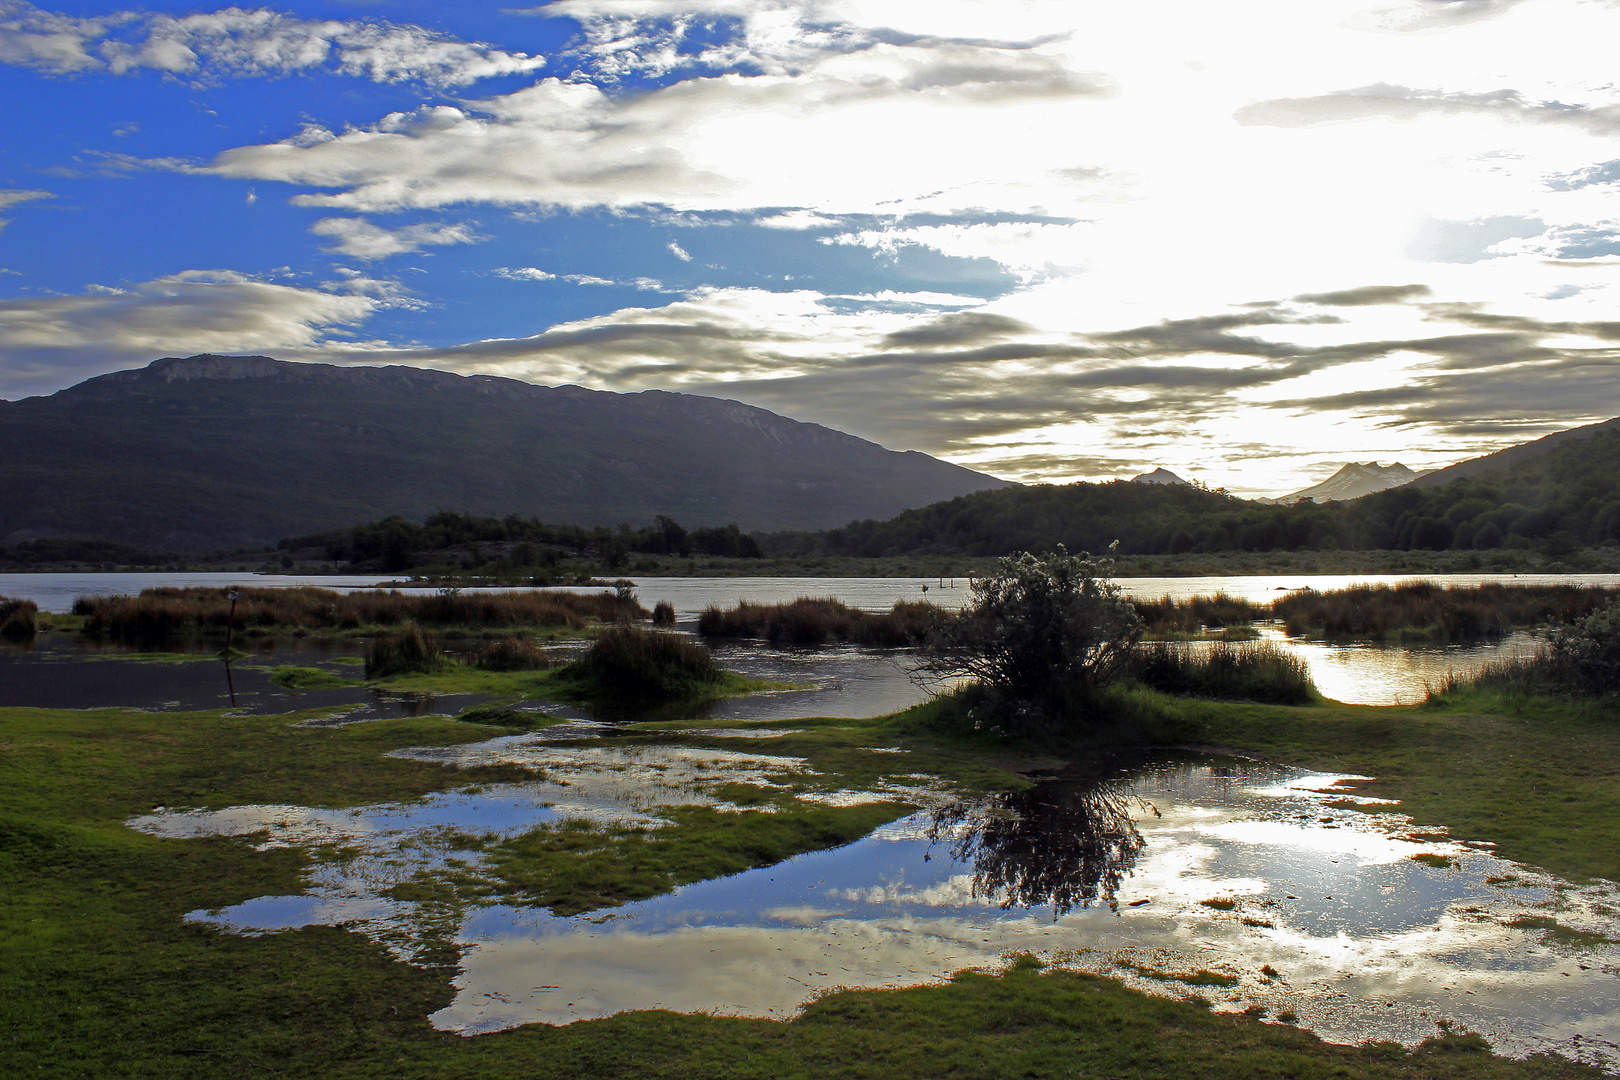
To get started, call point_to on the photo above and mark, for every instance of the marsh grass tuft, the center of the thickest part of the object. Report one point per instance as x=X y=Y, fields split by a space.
x=628 y=663
x=1198 y=613
x=663 y=613
x=1225 y=671
x=407 y=651
x=513 y=653
x=19 y=619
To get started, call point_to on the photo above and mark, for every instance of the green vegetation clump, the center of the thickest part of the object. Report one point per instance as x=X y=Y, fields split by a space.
x=512 y=653
x=663 y=614
x=500 y=717
x=162 y=614
x=406 y=651
x=812 y=621
x=291 y=677
x=630 y=664
x=1245 y=672
x=19 y=619
x=1041 y=635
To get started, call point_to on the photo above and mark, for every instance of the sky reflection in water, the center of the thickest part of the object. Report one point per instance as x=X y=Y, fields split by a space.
x=1368 y=942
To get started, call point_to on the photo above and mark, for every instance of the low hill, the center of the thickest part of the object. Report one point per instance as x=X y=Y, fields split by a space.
x=213 y=451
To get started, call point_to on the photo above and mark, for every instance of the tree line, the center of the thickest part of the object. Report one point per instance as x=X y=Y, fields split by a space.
x=397 y=543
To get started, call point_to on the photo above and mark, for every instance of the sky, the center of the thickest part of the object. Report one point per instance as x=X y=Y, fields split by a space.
x=1052 y=240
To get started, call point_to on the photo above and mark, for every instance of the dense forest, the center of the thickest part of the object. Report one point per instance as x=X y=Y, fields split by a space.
x=1566 y=498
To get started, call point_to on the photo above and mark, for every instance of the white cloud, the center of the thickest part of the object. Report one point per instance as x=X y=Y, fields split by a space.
x=523 y=273
x=236 y=42
x=365 y=240
x=679 y=252
x=877 y=131
x=47 y=338
x=796 y=220
x=13 y=196
x=530 y=273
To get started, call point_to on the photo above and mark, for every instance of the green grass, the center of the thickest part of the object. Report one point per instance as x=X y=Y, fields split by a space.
x=291 y=677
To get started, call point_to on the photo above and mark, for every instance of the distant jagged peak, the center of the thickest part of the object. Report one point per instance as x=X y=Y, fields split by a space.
x=1353 y=480
x=1160 y=475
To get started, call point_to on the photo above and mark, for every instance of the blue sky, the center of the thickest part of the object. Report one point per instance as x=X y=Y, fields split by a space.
x=1049 y=239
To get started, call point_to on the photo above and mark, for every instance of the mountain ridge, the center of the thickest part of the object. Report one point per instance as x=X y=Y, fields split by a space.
x=194 y=453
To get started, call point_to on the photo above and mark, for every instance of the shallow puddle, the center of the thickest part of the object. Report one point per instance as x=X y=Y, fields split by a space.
x=1256 y=884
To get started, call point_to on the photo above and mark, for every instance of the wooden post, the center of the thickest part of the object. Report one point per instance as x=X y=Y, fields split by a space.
x=230 y=625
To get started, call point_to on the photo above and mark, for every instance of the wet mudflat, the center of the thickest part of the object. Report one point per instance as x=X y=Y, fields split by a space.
x=1249 y=884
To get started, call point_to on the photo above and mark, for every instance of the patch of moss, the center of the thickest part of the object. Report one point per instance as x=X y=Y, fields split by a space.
x=307 y=678
x=496 y=716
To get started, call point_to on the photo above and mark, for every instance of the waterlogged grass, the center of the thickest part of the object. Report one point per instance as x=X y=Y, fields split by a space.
x=103 y=977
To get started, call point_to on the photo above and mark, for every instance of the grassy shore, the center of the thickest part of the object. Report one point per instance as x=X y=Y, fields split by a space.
x=104 y=978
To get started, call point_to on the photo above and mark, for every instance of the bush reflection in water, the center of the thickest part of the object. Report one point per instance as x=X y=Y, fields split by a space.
x=1065 y=842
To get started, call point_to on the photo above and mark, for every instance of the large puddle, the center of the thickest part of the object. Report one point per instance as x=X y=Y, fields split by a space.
x=1249 y=884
